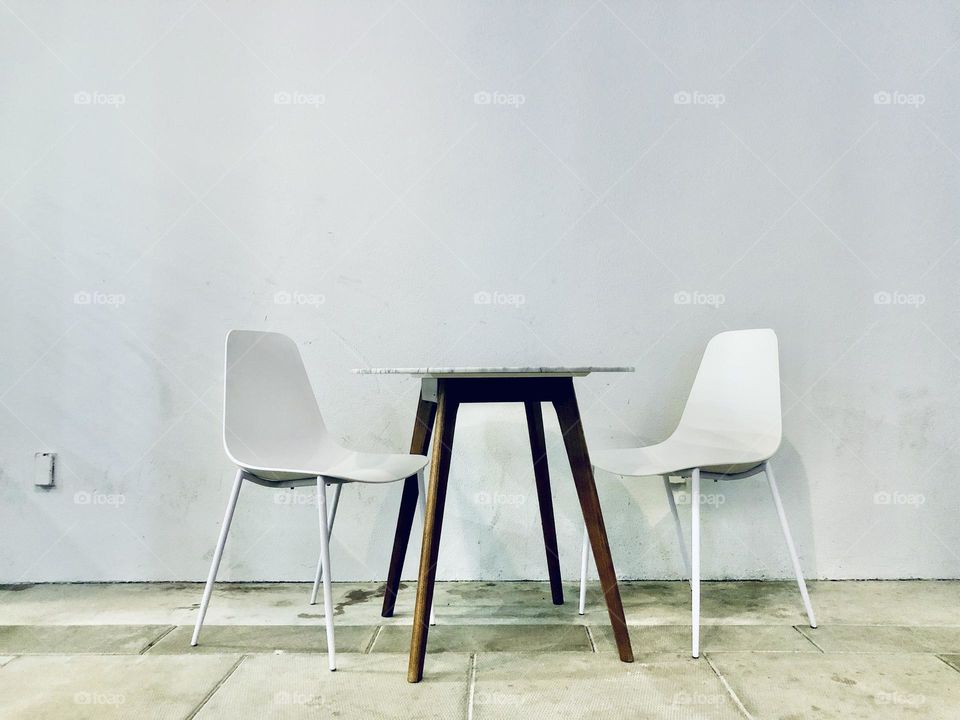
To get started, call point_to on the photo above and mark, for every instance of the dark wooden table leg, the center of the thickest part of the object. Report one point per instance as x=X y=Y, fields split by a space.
x=430 y=549
x=538 y=447
x=422 y=429
x=573 y=438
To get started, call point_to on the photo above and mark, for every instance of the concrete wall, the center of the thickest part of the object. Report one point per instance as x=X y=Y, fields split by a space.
x=626 y=179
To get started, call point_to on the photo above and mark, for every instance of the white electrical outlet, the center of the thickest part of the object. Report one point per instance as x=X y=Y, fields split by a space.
x=44 y=469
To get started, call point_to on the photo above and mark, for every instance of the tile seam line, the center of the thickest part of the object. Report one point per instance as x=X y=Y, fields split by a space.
x=373 y=640
x=808 y=638
x=146 y=648
x=937 y=656
x=206 y=698
x=726 y=685
x=471 y=684
x=593 y=645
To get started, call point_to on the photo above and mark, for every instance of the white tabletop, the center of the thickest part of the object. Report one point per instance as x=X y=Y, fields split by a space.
x=548 y=371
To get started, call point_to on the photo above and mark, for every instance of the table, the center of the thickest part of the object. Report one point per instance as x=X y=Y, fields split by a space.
x=442 y=391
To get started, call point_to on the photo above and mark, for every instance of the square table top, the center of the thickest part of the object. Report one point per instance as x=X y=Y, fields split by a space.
x=494 y=371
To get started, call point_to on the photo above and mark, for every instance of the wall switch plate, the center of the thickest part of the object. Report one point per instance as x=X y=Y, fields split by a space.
x=44 y=469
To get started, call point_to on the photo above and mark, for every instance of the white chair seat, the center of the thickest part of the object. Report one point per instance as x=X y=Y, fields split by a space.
x=675 y=456
x=350 y=467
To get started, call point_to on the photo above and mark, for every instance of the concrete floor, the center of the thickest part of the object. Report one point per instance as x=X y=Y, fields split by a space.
x=883 y=650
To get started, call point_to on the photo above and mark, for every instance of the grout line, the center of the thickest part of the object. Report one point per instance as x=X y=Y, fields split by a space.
x=808 y=638
x=730 y=692
x=373 y=640
x=471 y=685
x=157 y=639
x=936 y=656
x=593 y=645
x=193 y=713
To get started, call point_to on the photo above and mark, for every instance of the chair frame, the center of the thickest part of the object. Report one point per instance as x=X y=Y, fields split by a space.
x=691 y=563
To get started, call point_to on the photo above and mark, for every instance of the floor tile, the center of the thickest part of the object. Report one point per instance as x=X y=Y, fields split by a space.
x=107 y=686
x=489 y=638
x=589 y=686
x=843 y=686
x=364 y=686
x=884 y=638
x=645 y=603
x=263 y=639
x=713 y=638
x=733 y=603
x=78 y=639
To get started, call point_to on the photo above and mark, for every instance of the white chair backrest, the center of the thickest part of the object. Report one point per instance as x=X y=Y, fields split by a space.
x=735 y=397
x=270 y=416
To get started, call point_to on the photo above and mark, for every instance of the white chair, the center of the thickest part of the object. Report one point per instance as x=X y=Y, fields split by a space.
x=274 y=432
x=730 y=428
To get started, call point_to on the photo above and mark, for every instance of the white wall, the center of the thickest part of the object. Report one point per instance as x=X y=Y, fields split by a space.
x=597 y=199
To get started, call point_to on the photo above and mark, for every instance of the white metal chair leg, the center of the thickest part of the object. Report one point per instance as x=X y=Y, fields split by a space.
x=790 y=546
x=333 y=517
x=676 y=523
x=422 y=501
x=217 y=555
x=325 y=561
x=695 y=562
x=584 y=562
